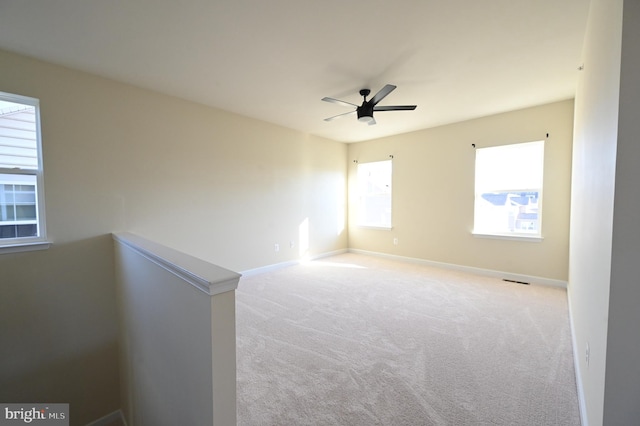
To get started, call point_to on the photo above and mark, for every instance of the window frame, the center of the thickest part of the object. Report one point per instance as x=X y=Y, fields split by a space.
x=520 y=236
x=39 y=242
x=363 y=195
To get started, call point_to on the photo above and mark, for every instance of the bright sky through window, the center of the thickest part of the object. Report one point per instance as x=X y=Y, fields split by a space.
x=508 y=192
x=374 y=192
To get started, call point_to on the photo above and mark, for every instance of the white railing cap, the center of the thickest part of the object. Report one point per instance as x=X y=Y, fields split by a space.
x=203 y=275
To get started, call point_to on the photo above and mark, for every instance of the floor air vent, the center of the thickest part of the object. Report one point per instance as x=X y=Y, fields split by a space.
x=514 y=281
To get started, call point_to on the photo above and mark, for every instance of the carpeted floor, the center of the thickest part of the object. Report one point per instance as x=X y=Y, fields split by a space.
x=362 y=340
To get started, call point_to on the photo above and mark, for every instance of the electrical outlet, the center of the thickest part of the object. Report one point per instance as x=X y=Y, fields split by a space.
x=292 y=244
x=276 y=247
x=395 y=241
x=588 y=354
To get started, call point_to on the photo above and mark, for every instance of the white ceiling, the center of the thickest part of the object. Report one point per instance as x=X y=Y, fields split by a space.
x=274 y=60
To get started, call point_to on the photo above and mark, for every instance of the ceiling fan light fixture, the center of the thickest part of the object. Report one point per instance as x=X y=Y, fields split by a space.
x=365 y=112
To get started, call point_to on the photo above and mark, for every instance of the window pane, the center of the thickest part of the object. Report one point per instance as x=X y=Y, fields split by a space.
x=25 y=188
x=18 y=136
x=26 y=197
x=508 y=189
x=508 y=212
x=30 y=230
x=21 y=200
x=374 y=185
x=26 y=212
x=7 y=212
x=18 y=203
x=7 y=231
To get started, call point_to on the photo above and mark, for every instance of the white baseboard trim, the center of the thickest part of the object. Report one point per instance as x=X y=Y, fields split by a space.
x=576 y=356
x=108 y=419
x=276 y=266
x=470 y=269
x=268 y=268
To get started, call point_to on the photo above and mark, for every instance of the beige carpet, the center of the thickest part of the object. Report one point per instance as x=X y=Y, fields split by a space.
x=362 y=340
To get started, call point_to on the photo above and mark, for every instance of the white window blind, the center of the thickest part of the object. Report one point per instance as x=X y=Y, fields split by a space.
x=507 y=167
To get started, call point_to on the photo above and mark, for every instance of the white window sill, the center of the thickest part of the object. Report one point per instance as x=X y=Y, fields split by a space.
x=516 y=237
x=23 y=247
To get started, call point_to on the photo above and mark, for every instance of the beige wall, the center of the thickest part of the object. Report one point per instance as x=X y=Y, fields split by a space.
x=433 y=193
x=213 y=184
x=592 y=204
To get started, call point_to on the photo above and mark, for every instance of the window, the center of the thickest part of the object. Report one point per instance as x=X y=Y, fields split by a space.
x=21 y=187
x=374 y=194
x=508 y=190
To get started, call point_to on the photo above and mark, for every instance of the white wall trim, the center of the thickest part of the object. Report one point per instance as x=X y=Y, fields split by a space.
x=582 y=404
x=20 y=248
x=204 y=276
x=269 y=268
x=480 y=271
x=470 y=269
x=276 y=266
x=513 y=237
x=109 y=418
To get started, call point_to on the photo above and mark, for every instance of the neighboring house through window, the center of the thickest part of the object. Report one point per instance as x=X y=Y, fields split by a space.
x=374 y=194
x=508 y=190
x=21 y=180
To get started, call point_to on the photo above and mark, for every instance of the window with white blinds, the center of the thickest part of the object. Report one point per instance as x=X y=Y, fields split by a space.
x=508 y=190
x=21 y=186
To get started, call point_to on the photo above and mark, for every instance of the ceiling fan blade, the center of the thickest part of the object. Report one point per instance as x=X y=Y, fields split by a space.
x=382 y=93
x=339 y=102
x=395 y=108
x=339 y=116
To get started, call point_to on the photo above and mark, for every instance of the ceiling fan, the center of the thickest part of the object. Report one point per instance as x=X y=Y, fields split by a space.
x=365 y=111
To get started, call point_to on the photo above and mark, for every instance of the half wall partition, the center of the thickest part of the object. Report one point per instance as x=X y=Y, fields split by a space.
x=177 y=336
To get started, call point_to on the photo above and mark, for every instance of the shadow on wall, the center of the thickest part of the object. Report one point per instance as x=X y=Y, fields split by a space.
x=58 y=328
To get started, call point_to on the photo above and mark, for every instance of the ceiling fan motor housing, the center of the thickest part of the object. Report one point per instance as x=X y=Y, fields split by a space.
x=366 y=110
